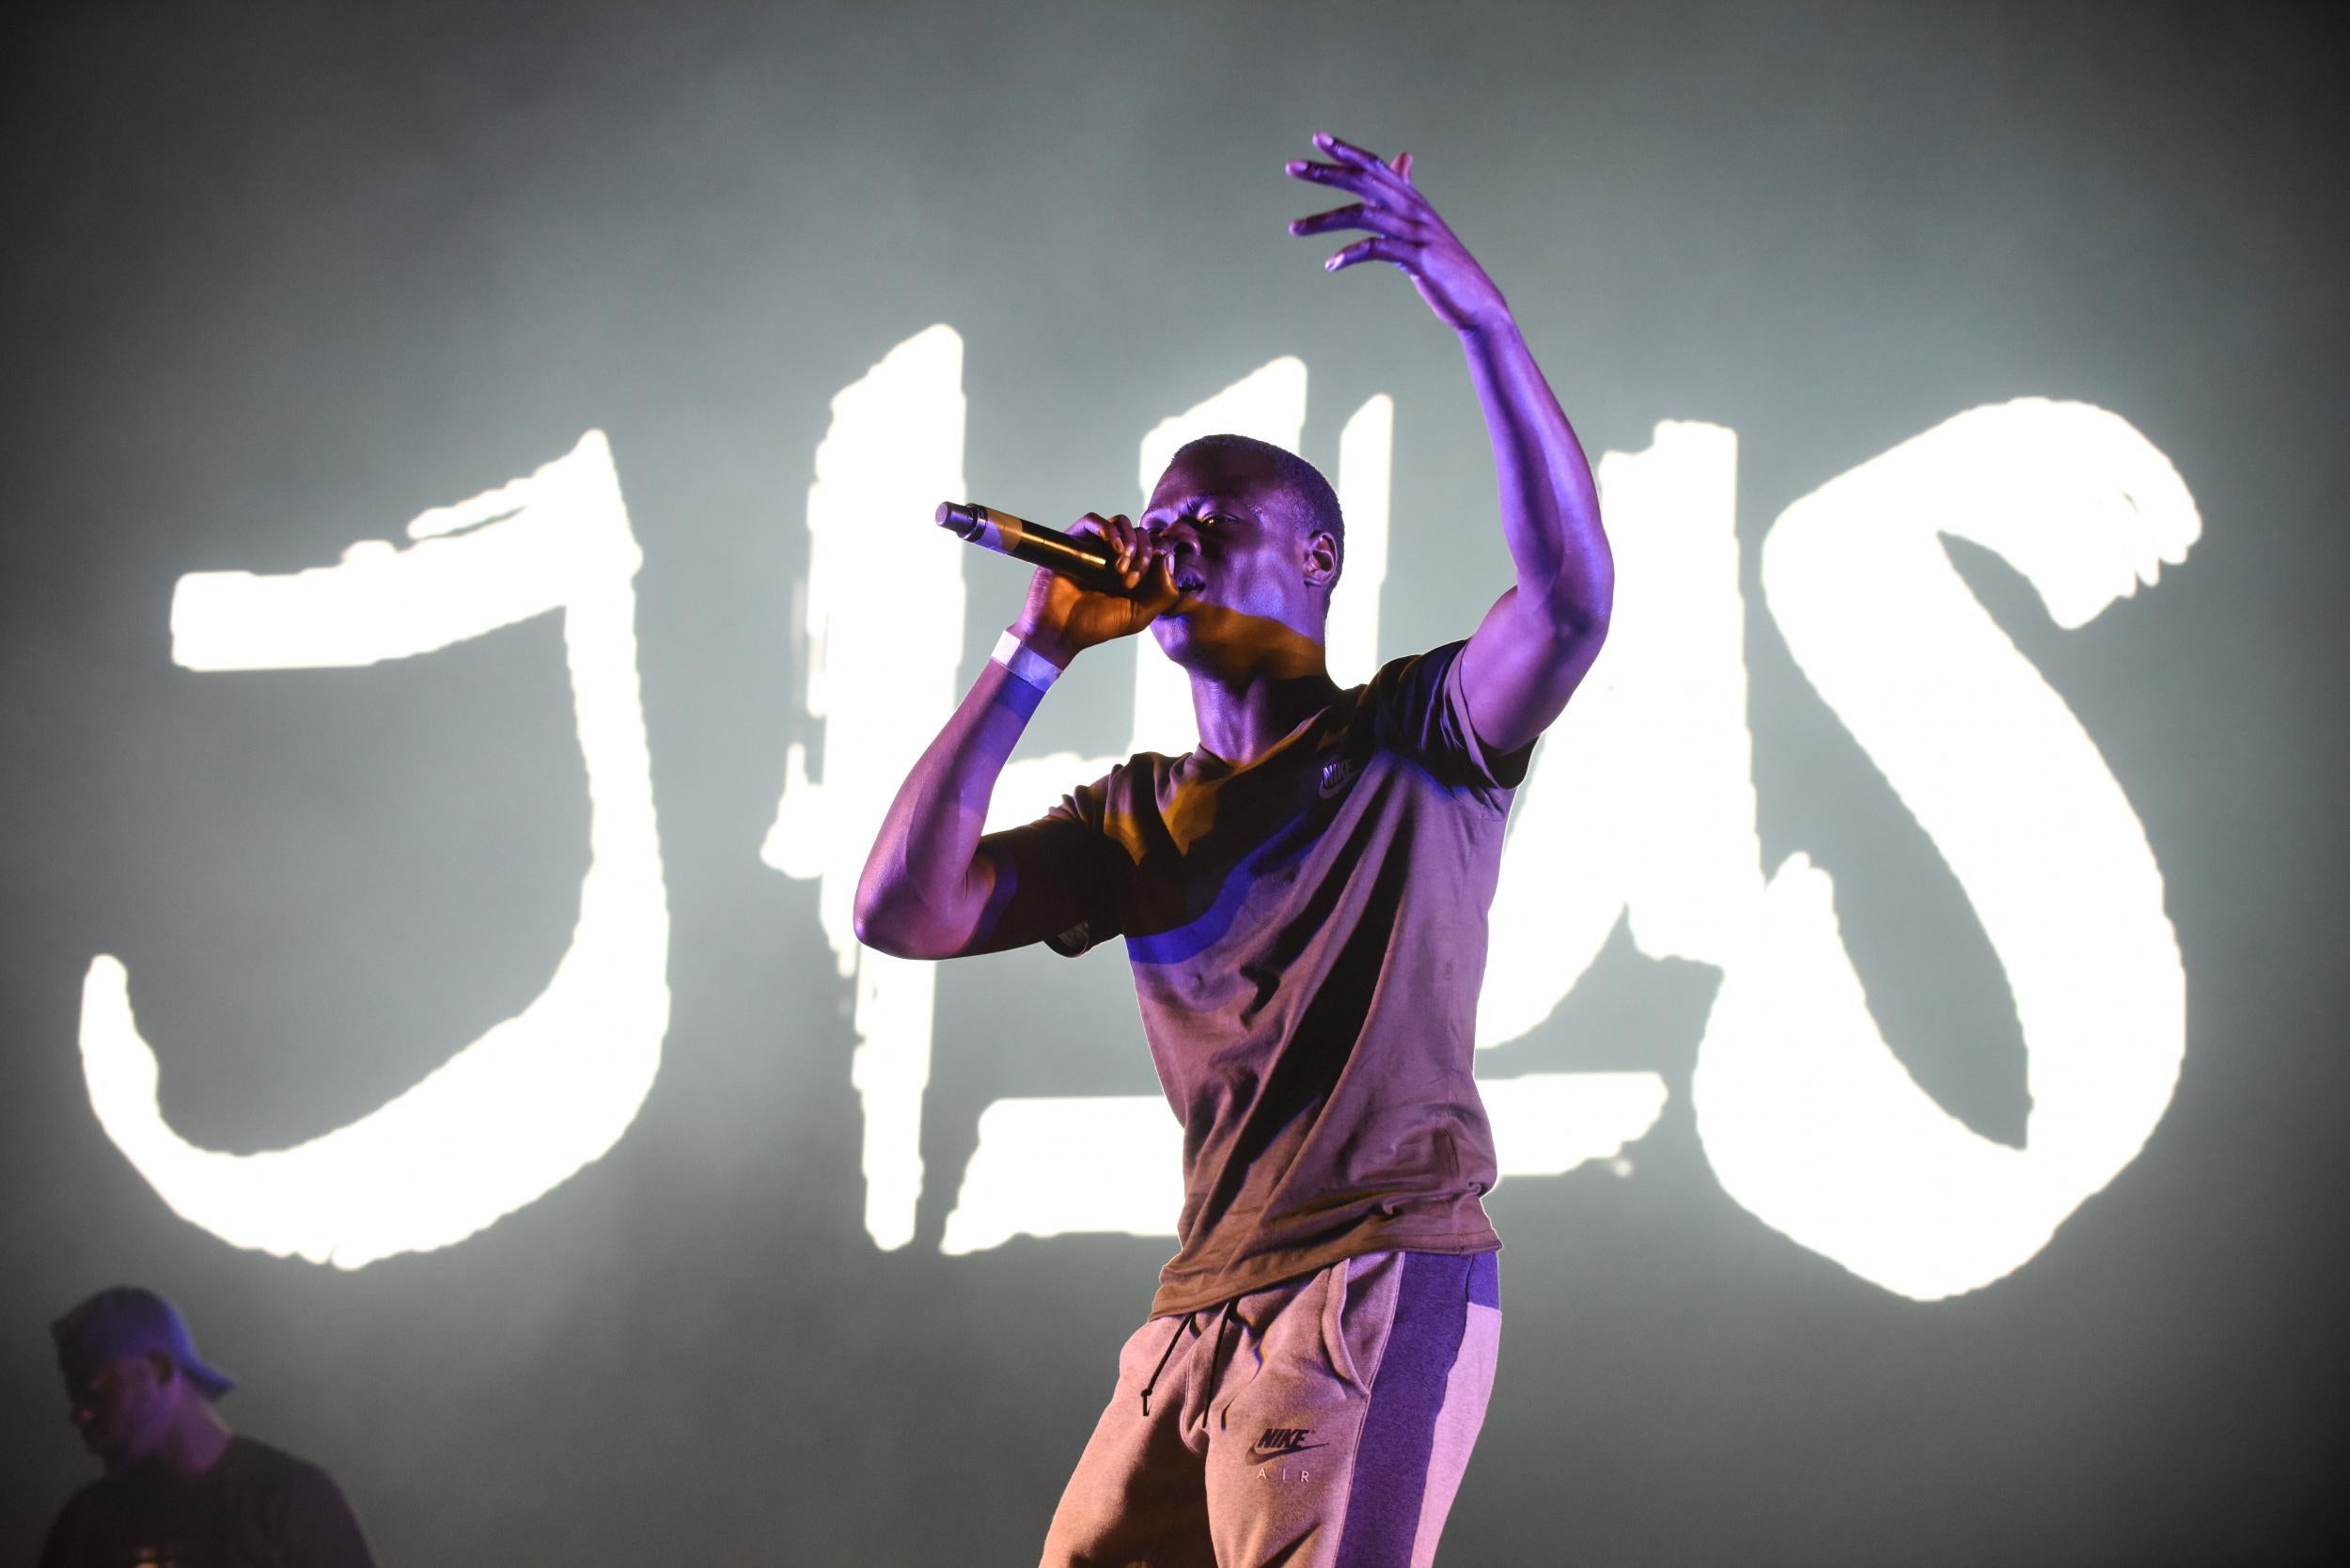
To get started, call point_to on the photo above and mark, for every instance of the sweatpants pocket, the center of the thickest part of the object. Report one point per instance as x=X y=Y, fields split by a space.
x=1358 y=1310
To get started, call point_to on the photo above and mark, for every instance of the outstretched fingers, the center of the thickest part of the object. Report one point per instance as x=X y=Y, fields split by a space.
x=1354 y=170
x=1379 y=220
x=1378 y=248
x=1352 y=181
x=1402 y=229
x=1363 y=161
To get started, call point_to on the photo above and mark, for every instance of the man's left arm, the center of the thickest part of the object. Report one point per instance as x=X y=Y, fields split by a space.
x=1541 y=635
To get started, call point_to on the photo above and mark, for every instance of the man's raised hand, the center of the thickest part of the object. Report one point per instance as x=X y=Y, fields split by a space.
x=1402 y=229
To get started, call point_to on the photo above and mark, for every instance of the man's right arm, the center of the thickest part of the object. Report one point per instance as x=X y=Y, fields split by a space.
x=933 y=885
x=930 y=884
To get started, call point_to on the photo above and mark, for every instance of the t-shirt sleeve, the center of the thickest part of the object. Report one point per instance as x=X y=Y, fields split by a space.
x=1424 y=712
x=1072 y=834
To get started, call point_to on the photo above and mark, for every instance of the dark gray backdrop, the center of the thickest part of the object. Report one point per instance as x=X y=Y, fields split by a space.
x=277 y=276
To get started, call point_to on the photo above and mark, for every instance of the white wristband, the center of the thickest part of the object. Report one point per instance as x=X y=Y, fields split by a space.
x=1025 y=663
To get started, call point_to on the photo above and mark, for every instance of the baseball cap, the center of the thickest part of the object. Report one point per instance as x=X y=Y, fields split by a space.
x=126 y=1320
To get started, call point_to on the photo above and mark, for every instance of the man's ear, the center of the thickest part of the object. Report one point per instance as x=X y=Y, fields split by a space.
x=1321 y=557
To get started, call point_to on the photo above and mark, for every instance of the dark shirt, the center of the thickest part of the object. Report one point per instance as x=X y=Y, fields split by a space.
x=1308 y=935
x=255 y=1507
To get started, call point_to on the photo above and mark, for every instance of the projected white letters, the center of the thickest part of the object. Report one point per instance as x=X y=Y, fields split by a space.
x=1810 y=1119
x=540 y=1095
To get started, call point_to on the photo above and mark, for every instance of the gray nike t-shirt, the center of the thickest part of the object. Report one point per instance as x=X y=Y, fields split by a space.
x=1308 y=936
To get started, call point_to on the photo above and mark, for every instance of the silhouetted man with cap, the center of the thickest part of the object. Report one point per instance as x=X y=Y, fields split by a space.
x=180 y=1490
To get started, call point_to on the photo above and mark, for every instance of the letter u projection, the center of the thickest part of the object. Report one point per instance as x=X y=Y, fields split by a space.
x=1807 y=1115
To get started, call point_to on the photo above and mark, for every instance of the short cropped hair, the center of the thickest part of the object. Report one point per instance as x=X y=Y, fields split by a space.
x=1313 y=506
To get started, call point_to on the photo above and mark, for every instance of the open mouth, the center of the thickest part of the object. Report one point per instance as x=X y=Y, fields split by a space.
x=1185 y=570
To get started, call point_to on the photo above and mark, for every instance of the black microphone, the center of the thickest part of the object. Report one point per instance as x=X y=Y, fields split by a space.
x=1085 y=560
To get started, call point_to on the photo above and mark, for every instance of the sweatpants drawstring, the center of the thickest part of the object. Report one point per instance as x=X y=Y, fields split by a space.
x=1215 y=1369
x=1173 y=1341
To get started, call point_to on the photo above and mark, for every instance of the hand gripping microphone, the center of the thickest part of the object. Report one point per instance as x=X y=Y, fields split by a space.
x=1082 y=558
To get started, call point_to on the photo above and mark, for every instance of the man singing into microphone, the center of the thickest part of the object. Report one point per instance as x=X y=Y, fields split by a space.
x=1304 y=901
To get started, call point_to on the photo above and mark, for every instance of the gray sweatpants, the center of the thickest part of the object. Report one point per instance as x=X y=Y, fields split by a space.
x=1323 y=1422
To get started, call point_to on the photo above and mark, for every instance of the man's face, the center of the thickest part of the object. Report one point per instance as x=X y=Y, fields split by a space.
x=1238 y=554
x=121 y=1405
